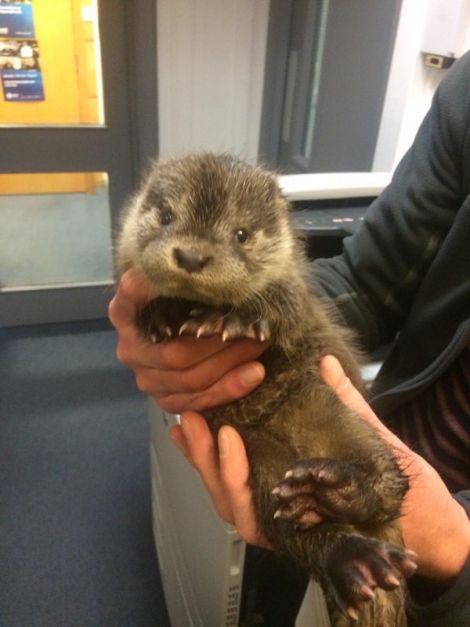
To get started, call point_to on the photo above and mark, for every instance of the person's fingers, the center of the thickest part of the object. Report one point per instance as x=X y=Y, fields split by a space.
x=234 y=473
x=176 y=354
x=429 y=511
x=184 y=373
x=178 y=439
x=133 y=291
x=203 y=456
x=196 y=377
x=235 y=384
x=225 y=475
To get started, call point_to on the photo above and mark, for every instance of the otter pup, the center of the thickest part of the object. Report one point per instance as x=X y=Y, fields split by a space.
x=213 y=234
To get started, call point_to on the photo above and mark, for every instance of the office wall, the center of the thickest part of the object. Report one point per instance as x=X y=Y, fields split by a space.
x=411 y=84
x=211 y=56
x=210 y=74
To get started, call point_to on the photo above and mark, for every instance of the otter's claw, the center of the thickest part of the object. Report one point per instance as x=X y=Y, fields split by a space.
x=235 y=327
x=232 y=326
x=202 y=325
x=162 y=332
x=317 y=489
x=362 y=564
x=164 y=319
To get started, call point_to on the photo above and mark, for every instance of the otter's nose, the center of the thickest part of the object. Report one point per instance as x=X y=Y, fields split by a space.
x=191 y=260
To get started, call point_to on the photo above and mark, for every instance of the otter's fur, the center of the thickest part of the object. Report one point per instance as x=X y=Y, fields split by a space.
x=213 y=234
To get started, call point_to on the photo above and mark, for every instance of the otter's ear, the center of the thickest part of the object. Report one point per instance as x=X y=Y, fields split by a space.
x=157 y=187
x=155 y=197
x=147 y=171
x=271 y=190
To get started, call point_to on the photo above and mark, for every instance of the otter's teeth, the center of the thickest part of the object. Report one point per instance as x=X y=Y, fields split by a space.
x=153 y=338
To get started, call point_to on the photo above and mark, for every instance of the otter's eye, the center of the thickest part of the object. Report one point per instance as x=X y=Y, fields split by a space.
x=166 y=217
x=241 y=235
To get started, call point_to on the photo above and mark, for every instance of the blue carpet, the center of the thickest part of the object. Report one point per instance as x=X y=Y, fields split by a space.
x=76 y=545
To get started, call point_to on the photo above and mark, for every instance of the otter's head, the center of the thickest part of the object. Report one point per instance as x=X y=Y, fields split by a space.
x=210 y=228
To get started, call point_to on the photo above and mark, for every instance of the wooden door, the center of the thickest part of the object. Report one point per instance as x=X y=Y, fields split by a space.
x=67 y=44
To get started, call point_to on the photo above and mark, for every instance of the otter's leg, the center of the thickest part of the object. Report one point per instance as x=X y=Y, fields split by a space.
x=351 y=568
x=358 y=566
x=338 y=490
x=344 y=472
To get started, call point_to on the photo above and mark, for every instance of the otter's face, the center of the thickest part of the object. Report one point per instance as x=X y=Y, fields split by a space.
x=212 y=229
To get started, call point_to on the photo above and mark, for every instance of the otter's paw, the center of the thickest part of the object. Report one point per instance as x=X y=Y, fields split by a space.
x=202 y=322
x=232 y=326
x=359 y=565
x=162 y=318
x=317 y=489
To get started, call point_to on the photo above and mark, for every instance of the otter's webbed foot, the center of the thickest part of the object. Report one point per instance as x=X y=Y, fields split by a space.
x=358 y=565
x=205 y=322
x=317 y=489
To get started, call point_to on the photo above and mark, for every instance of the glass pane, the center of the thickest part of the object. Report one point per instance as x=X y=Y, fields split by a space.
x=317 y=60
x=54 y=229
x=50 y=66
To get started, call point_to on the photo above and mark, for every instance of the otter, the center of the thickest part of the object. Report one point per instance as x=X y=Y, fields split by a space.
x=213 y=234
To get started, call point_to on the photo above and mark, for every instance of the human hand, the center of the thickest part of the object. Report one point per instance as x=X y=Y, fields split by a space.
x=225 y=474
x=434 y=525
x=185 y=373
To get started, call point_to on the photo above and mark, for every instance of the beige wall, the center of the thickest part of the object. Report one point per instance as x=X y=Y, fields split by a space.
x=210 y=74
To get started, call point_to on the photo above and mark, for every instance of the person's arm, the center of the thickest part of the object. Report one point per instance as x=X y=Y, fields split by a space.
x=374 y=281
x=435 y=525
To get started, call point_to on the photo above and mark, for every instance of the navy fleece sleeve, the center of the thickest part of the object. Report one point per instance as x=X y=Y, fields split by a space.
x=374 y=281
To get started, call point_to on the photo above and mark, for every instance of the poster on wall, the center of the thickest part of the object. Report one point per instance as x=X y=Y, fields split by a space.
x=20 y=68
x=21 y=71
x=16 y=19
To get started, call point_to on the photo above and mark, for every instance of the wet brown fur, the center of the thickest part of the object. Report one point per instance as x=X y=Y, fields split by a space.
x=293 y=415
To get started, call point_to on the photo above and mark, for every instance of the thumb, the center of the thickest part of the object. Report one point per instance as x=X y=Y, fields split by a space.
x=333 y=375
x=234 y=472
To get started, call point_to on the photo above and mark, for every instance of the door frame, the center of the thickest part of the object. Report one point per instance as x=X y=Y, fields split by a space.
x=120 y=147
x=356 y=59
